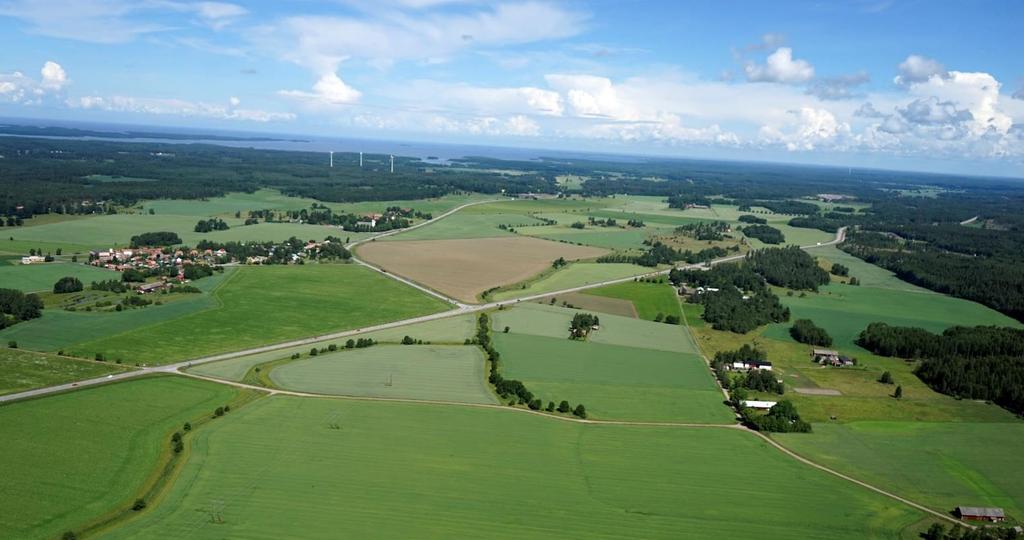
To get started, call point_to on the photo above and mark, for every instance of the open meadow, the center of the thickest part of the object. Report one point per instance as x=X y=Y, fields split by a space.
x=25 y=370
x=614 y=381
x=465 y=268
x=573 y=275
x=72 y=458
x=431 y=372
x=392 y=470
x=41 y=277
x=942 y=465
x=649 y=299
x=260 y=305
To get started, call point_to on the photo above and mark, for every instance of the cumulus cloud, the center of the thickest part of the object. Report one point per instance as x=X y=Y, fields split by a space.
x=916 y=69
x=16 y=87
x=809 y=129
x=780 y=67
x=841 y=87
x=177 y=107
x=328 y=90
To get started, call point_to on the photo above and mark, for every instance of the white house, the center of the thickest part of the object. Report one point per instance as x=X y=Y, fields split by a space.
x=754 y=404
x=32 y=259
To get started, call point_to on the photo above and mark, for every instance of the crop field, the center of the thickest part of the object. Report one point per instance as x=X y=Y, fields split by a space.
x=942 y=465
x=465 y=268
x=463 y=225
x=58 y=329
x=13 y=250
x=650 y=299
x=600 y=304
x=845 y=310
x=73 y=457
x=610 y=238
x=450 y=330
x=574 y=275
x=41 y=277
x=22 y=370
x=523 y=206
x=395 y=470
x=553 y=321
x=432 y=372
x=612 y=381
x=261 y=305
x=868 y=274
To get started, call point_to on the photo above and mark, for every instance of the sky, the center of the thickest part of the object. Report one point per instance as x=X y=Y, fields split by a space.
x=924 y=85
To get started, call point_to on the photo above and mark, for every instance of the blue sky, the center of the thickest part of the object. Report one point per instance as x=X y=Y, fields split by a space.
x=928 y=85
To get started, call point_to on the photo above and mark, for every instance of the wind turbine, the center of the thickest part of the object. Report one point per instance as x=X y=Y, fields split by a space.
x=332 y=160
x=360 y=160
x=392 y=164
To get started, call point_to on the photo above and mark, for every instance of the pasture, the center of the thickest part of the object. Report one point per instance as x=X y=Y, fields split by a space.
x=604 y=237
x=393 y=470
x=268 y=304
x=942 y=465
x=553 y=321
x=451 y=330
x=430 y=372
x=71 y=458
x=613 y=381
x=650 y=299
x=465 y=268
x=24 y=370
x=574 y=275
x=41 y=277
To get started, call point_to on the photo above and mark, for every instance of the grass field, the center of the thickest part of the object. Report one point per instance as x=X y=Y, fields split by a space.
x=573 y=206
x=553 y=321
x=465 y=268
x=942 y=465
x=447 y=330
x=41 y=277
x=574 y=275
x=610 y=238
x=400 y=471
x=614 y=382
x=650 y=299
x=433 y=372
x=23 y=370
x=72 y=457
x=600 y=304
x=462 y=225
x=262 y=305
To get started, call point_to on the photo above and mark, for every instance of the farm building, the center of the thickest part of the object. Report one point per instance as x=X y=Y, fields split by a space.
x=824 y=356
x=150 y=287
x=979 y=513
x=32 y=259
x=755 y=404
x=751 y=364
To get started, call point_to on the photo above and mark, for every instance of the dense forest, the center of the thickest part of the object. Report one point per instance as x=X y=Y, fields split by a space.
x=764 y=233
x=741 y=301
x=789 y=267
x=984 y=362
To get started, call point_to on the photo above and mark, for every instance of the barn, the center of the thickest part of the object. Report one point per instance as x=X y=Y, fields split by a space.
x=980 y=513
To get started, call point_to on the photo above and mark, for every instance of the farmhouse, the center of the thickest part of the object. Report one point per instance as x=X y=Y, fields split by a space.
x=32 y=259
x=762 y=405
x=150 y=287
x=824 y=356
x=978 y=513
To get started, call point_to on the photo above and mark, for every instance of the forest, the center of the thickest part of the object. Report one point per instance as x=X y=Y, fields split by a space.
x=983 y=362
x=764 y=233
x=742 y=301
x=789 y=267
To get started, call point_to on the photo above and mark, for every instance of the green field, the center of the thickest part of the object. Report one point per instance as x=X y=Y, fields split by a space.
x=41 y=277
x=574 y=275
x=431 y=372
x=942 y=465
x=395 y=470
x=612 y=381
x=70 y=458
x=553 y=321
x=447 y=330
x=464 y=225
x=524 y=206
x=269 y=304
x=23 y=370
x=610 y=238
x=58 y=329
x=650 y=299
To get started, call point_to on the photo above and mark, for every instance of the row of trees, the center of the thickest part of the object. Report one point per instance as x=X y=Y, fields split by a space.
x=983 y=362
x=155 y=239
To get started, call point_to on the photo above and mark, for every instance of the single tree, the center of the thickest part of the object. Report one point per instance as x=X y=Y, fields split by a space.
x=563 y=407
x=580 y=411
x=886 y=378
x=139 y=504
x=899 y=392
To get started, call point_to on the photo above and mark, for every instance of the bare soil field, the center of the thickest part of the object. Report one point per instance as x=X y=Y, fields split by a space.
x=613 y=306
x=465 y=268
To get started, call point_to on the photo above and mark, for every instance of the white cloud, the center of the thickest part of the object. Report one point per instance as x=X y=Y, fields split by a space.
x=917 y=69
x=16 y=87
x=176 y=107
x=780 y=67
x=217 y=15
x=809 y=129
x=841 y=87
x=328 y=90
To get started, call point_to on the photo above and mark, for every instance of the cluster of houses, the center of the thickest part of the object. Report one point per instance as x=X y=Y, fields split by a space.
x=310 y=249
x=153 y=258
x=828 y=357
x=748 y=365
